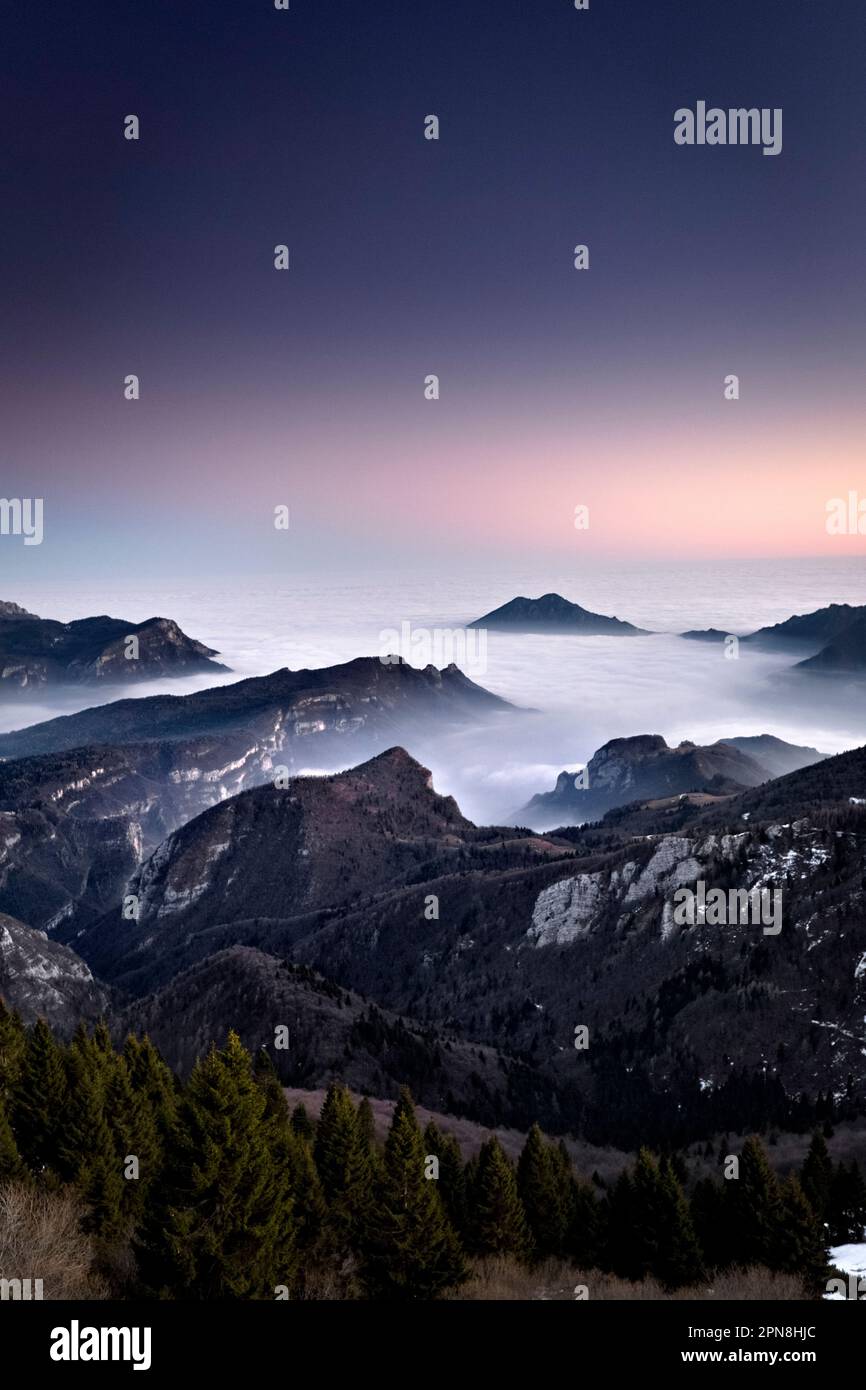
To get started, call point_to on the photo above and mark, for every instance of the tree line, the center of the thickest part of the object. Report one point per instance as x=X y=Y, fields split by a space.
x=212 y=1189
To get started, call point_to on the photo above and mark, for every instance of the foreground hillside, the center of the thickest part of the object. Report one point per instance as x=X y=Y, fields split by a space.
x=234 y=1198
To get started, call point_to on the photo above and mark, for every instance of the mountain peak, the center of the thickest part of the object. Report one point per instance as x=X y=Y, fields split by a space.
x=556 y=615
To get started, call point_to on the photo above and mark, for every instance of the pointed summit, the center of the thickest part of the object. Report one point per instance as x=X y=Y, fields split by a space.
x=554 y=614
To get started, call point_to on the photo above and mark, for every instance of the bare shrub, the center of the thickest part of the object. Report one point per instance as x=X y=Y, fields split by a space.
x=40 y=1238
x=502 y=1279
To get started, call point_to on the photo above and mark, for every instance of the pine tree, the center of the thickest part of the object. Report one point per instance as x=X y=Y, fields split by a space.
x=452 y=1186
x=755 y=1209
x=154 y=1081
x=846 y=1216
x=802 y=1247
x=680 y=1259
x=310 y=1207
x=39 y=1099
x=366 y=1123
x=544 y=1198
x=649 y=1213
x=585 y=1231
x=220 y=1223
x=816 y=1176
x=134 y=1134
x=497 y=1219
x=86 y=1152
x=710 y=1216
x=345 y=1167
x=413 y=1252
x=13 y=1041
x=11 y=1166
x=302 y=1124
x=619 y=1249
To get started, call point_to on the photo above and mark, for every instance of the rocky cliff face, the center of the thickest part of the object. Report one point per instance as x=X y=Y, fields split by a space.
x=42 y=979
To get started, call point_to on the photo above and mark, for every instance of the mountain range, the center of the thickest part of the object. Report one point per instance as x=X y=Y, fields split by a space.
x=510 y=940
x=157 y=865
x=85 y=797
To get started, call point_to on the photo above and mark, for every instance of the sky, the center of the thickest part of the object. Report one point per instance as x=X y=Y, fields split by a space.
x=304 y=388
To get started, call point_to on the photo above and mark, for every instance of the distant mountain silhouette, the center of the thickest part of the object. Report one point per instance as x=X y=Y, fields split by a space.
x=706 y=634
x=845 y=652
x=37 y=652
x=644 y=768
x=809 y=629
x=774 y=755
x=329 y=701
x=554 y=614
x=834 y=637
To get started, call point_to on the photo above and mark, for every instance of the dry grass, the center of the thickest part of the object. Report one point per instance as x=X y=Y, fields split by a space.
x=503 y=1280
x=40 y=1238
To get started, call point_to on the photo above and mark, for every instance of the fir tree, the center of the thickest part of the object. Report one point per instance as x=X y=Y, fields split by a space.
x=544 y=1196
x=86 y=1152
x=846 y=1216
x=220 y=1223
x=413 y=1252
x=345 y=1167
x=585 y=1230
x=649 y=1210
x=294 y=1156
x=816 y=1176
x=11 y=1165
x=39 y=1099
x=680 y=1259
x=135 y=1135
x=710 y=1216
x=452 y=1186
x=802 y=1247
x=754 y=1209
x=152 y=1079
x=583 y=1225
x=366 y=1123
x=13 y=1041
x=302 y=1124
x=497 y=1219
x=310 y=1207
x=619 y=1224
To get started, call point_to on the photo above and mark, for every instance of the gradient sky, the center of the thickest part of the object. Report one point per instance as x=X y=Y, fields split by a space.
x=412 y=257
